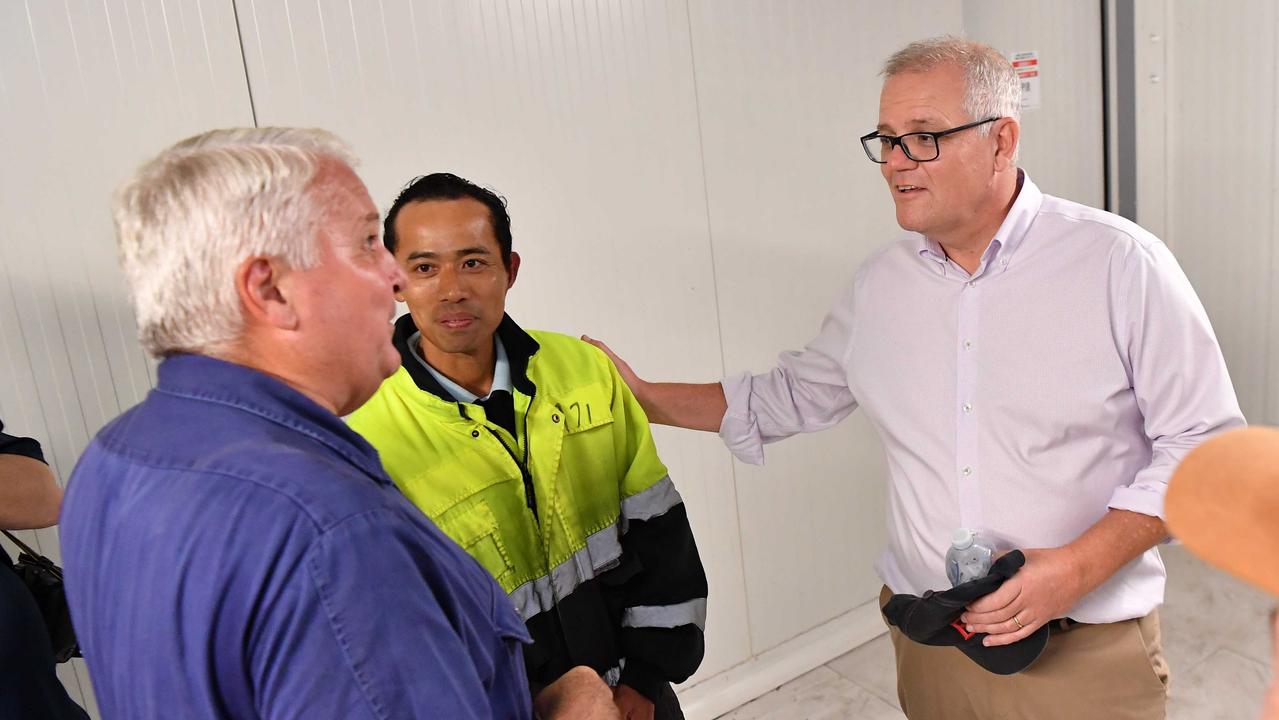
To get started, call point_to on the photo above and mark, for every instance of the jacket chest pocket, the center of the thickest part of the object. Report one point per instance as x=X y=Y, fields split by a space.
x=588 y=457
x=590 y=478
x=585 y=413
x=474 y=527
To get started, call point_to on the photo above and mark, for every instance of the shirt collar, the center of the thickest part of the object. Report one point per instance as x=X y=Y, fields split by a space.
x=518 y=345
x=209 y=379
x=501 y=372
x=1008 y=237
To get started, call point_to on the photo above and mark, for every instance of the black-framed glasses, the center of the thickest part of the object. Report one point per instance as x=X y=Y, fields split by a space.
x=918 y=146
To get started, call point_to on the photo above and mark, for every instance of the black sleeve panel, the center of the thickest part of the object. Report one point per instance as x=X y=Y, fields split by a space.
x=660 y=567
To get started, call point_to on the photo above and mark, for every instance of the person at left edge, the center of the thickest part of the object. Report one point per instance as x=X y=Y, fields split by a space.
x=527 y=448
x=29 y=499
x=233 y=550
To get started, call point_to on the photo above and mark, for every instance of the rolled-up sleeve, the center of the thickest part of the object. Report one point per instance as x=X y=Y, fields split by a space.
x=25 y=446
x=1177 y=371
x=807 y=391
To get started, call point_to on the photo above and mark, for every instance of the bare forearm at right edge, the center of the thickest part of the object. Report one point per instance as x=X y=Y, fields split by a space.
x=695 y=406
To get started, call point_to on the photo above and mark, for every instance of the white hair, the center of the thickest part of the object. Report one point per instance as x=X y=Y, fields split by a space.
x=188 y=218
x=992 y=86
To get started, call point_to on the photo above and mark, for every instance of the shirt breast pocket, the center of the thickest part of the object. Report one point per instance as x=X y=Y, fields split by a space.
x=474 y=527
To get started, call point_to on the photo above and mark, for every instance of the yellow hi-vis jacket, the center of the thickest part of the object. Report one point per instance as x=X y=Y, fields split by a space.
x=574 y=514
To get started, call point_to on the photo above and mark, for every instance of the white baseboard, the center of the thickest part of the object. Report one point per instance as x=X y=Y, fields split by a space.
x=740 y=684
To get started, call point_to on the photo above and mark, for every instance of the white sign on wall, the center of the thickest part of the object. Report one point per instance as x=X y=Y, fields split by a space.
x=1027 y=66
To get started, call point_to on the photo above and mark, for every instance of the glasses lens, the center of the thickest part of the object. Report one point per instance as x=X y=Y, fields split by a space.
x=877 y=148
x=920 y=147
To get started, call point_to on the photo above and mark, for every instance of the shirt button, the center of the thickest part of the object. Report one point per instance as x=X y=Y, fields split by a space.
x=968 y=344
x=475 y=433
x=967 y=408
x=972 y=283
x=967 y=471
x=555 y=418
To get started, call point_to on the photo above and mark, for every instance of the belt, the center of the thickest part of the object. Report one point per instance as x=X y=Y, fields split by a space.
x=1061 y=625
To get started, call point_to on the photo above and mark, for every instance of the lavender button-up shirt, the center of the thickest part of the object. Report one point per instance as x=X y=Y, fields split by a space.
x=1067 y=375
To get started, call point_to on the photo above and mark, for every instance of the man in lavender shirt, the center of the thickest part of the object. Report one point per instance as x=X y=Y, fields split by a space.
x=1064 y=370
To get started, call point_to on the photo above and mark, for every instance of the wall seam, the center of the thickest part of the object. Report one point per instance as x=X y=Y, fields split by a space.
x=244 y=62
x=719 y=323
x=1270 y=395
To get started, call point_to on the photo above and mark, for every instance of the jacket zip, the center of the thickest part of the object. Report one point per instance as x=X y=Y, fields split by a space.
x=530 y=495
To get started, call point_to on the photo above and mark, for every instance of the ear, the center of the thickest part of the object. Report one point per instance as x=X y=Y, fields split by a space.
x=263 y=295
x=399 y=292
x=1007 y=136
x=514 y=270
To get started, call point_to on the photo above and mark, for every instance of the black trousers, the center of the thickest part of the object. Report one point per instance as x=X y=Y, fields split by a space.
x=666 y=707
x=29 y=688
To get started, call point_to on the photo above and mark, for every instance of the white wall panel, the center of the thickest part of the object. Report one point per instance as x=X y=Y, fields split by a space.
x=1062 y=139
x=1216 y=98
x=87 y=91
x=785 y=90
x=584 y=115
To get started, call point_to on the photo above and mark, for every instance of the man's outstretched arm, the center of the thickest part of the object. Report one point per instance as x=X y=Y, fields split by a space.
x=695 y=406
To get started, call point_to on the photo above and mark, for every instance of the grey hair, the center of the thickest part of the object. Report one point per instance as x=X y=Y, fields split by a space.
x=188 y=218
x=992 y=86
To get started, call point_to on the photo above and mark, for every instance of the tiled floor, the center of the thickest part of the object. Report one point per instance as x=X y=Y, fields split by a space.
x=1215 y=635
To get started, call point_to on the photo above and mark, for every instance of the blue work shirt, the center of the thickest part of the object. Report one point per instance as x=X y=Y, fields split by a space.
x=232 y=550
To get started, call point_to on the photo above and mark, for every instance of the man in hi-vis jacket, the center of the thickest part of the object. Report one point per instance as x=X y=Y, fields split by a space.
x=528 y=449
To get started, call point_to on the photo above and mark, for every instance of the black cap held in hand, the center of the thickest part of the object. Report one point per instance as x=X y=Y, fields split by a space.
x=934 y=620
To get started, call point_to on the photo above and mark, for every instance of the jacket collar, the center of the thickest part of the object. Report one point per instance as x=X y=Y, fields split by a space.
x=520 y=349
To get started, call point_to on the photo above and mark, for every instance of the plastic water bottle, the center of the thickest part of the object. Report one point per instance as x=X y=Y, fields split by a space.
x=969 y=557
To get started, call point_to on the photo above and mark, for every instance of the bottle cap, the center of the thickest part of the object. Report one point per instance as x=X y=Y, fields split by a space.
x=962 y=539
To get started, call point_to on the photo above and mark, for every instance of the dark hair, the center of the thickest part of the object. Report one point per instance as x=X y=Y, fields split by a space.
x=447 y=186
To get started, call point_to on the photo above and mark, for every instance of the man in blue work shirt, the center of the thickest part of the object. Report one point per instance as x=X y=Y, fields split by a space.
x=232 y=549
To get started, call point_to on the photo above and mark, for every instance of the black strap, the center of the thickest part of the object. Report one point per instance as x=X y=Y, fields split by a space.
x=21 y=545
x=37 y=557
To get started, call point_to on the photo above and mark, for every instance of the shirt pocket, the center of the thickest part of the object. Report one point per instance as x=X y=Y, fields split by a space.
x=474 y=527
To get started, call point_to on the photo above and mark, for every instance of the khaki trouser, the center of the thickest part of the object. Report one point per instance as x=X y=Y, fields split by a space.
x=1114 y=671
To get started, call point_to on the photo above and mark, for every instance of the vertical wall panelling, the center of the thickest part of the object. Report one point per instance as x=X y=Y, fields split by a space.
x=1218 y=75
x=1062 y=139
x=1151 y=63
x=583 y=114
x=785 y=89
x=87 y=90
x=1269 y=378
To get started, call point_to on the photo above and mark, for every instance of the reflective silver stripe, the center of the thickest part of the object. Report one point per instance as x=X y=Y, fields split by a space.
x=657 y=500
x=532 y=597
x=692 y=612
x=603 y=549
x=612 y=677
